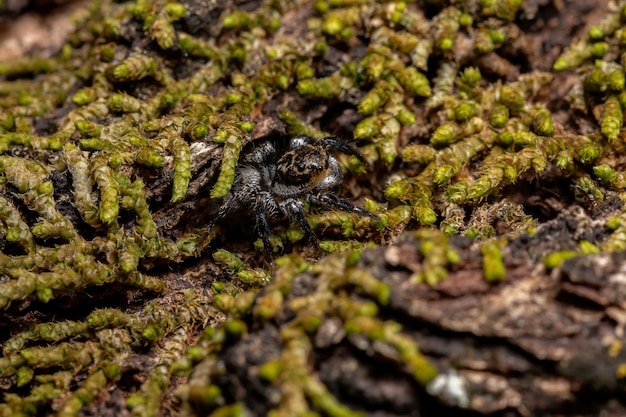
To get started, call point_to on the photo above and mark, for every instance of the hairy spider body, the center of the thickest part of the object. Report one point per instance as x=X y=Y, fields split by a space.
x=273 y=179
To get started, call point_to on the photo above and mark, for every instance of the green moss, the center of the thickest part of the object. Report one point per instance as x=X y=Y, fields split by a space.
x=134 y=68
x=557 y=258
x=612 y=118
x=232 y=133
x=493 y=262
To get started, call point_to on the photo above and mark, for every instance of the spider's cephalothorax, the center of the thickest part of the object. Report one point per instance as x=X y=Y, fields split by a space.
x=273 y=179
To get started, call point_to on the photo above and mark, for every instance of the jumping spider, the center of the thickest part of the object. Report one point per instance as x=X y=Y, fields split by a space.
x=274 y=177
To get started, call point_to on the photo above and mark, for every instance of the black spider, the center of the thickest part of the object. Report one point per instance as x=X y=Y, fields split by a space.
x=273 y=178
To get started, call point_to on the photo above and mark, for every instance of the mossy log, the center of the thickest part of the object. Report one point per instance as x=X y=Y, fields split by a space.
x=490 y=281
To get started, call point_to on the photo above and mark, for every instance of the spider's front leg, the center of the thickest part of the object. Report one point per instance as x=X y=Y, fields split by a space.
x=331 y=201
x=295 y=212
x=331 y=143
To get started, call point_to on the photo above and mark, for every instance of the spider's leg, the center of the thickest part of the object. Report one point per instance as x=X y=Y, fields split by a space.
x=265 y=206
x=329 y=200
x=230 y=206
x=331 y=143
x=263 y=227
x=243 y=194
x=295 y=211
